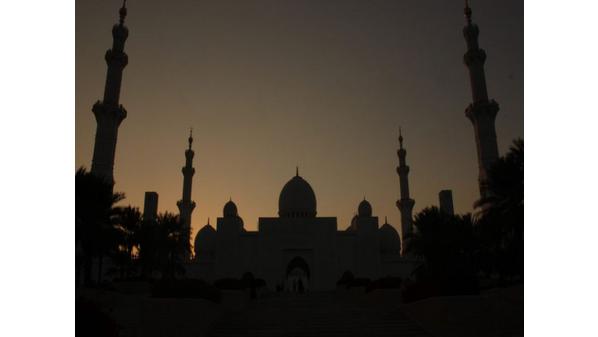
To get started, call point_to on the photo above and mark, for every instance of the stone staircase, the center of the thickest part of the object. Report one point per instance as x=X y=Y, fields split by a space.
x=317 y=314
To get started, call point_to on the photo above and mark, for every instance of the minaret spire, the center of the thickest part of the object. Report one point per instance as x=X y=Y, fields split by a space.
x=405 y=204
x=467 y=12
x=482 y=111
x=123 y=12
x=186 y=205
x=109 y=113
x=400 y=138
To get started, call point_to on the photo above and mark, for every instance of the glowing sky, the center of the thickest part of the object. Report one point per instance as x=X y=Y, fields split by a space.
x=268 y=85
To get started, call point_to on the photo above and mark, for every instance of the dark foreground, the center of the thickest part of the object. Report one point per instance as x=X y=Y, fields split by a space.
x=335 y=313
x=319 y=314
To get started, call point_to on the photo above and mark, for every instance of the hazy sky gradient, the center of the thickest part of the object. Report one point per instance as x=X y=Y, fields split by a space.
x=268 y=85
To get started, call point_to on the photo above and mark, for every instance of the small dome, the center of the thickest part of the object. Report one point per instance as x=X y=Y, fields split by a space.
x=297 y=199
x=230 y=209
x=205 y=240
x=390 y=242
x=353 y=222
x=364 y=209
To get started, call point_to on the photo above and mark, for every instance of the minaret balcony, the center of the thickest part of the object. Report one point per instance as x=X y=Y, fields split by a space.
x=485 y=110
x=103 y=107
x=182 y=204
x=105 y=113
x=474 y=57
x=188 y=171
x=405 y=204
x=116 y=58
x=120 y=32
x=402 y=170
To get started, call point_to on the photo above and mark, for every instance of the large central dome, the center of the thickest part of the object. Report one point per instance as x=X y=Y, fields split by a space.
x=297 y=199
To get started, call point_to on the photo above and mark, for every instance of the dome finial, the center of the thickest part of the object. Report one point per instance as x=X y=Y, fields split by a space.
x=297 y=170
x=364 y=209
x=208 y=220
x=230 y=209
x=385 y=220
x=123 y=12
x=467 y=12
x=190 y=137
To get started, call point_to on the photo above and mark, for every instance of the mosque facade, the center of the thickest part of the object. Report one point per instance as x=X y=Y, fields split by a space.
x=298 y=245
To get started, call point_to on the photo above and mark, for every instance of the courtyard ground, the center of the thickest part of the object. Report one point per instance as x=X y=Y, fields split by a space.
x=336 y=313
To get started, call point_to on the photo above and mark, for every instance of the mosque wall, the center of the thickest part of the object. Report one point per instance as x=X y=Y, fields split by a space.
x=366 y=250
x=249 y=245
x=298 y=245
x=310 y=239
x=328 y=253
x=398 y=266
x=228 y=255
x=345 y=247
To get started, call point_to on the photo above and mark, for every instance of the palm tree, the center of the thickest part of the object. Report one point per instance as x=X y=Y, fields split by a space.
x=163 y=245
x=147 y=239
x=94 y=217
x=446 y=245
x=129 y=224
x=173 y=245
x=501 y=216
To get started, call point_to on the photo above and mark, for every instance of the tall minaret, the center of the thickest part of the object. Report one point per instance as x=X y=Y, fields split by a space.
x=186 y=205
x=108 y=112
x=405 y=204
x=482 y=112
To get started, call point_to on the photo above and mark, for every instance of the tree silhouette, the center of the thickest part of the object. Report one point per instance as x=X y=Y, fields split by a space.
x=163 y=245
x=94 y=219
x=129 y=224
x=455 y=248
x=500 y=228
x=147 y=238
x=173 y=245
x=446 y=244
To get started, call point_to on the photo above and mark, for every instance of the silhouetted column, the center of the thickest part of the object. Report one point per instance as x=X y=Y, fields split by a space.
x=482 y=111
x=150 y=206
x=186 y=205
x=445 y=198
x=405 y=204
x=108 y=112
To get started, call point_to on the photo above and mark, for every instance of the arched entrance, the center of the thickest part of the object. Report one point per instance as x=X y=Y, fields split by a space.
x=297 y=276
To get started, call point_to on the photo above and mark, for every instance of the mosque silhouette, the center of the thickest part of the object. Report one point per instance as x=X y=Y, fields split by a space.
x=297 y=248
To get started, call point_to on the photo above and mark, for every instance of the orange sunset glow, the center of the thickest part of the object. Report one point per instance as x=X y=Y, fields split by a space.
x=323 y=85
